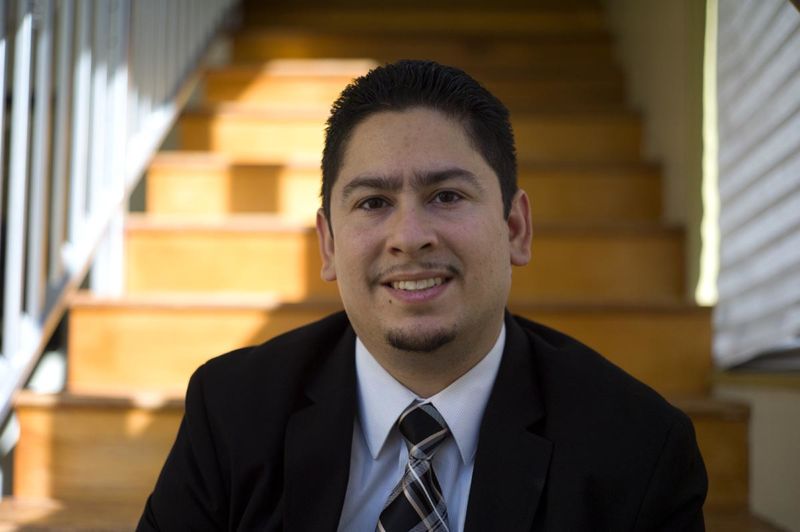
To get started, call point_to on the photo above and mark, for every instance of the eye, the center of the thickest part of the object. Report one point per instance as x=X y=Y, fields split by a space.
x=447 y=196
x=372 y=203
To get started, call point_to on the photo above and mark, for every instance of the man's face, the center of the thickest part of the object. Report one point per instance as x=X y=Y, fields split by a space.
x=420 y=247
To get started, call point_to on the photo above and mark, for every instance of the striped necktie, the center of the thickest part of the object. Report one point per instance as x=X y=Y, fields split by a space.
x=416 y=503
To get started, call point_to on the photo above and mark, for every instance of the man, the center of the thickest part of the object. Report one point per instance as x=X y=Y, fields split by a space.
x=425 y=405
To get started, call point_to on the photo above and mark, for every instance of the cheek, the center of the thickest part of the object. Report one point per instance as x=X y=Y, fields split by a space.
x=356 y=256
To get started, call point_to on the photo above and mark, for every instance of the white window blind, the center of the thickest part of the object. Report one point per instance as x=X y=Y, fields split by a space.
x=757 y=317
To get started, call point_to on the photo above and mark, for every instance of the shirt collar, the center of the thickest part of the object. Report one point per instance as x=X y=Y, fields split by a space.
x=382 y=399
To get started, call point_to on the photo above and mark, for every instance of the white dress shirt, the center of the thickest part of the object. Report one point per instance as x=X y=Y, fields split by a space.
x=379 y=454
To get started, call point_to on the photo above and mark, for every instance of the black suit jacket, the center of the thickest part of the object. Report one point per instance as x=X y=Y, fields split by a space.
x=568 y=442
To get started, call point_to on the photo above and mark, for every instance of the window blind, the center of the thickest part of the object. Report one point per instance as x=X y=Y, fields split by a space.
x=758 y=98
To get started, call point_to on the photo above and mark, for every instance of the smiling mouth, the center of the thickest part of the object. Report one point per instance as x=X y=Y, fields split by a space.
x=420 y=284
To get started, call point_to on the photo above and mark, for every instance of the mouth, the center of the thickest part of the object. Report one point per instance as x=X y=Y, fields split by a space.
x=417 y=284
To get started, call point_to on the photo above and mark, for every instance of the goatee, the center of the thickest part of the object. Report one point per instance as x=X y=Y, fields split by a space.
x=419 y=342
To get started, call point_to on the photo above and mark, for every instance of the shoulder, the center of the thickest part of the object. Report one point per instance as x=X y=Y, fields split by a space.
x=617 y=443
x=579 y=384
x=272 y=370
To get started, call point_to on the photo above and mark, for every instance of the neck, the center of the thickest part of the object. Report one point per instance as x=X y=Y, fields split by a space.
x=428 y=373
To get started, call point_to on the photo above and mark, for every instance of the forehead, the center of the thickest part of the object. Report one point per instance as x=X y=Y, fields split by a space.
x=408 y=143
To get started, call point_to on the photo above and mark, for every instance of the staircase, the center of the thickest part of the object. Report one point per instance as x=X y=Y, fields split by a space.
x=225 y=254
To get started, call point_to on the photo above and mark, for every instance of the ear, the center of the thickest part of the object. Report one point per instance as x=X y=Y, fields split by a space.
x=519 y=229
x=325 y=239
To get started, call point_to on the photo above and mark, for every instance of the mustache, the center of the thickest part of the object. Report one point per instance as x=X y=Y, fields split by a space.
x=376 y=278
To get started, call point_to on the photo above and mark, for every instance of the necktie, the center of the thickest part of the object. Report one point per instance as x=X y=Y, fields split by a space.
x=416 y=503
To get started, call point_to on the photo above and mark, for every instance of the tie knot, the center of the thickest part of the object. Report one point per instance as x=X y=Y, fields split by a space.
x=424 y=428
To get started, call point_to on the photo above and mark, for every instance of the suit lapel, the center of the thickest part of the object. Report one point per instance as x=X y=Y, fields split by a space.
x=512 y=461
x=318 y=443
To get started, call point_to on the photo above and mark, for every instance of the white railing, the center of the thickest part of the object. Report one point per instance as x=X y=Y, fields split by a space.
x=94 y=86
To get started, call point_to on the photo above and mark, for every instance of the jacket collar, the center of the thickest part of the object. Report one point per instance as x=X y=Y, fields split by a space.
x=512 y=460
x=318 y=443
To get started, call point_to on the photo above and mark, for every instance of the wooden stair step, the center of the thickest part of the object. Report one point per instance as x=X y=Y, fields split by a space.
x=261 y=253
x=257 y=136
x=435 y=20
x=45 y=515
x=50 y=515
x=207 y=185
x=155 y=342
x=642 y=339
x=55 y=460
x=119 y=463
x=298 y=83
x=595 y=52
x=202 y=184
x=272 y=86
x=58 y=516
x=239 y=254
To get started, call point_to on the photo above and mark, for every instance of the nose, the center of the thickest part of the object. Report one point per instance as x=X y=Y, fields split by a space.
x=411 y=232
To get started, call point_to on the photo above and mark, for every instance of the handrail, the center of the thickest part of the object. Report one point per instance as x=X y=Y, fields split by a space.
x=95 y=87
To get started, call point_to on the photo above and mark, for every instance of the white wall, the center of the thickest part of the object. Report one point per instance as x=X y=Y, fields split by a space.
x=660 y=47
x=774 y=444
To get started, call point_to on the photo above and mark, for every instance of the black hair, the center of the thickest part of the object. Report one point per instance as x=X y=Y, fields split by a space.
x=413 y=83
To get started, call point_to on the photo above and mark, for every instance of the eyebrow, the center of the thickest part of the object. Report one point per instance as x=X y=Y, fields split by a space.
x=420 y=180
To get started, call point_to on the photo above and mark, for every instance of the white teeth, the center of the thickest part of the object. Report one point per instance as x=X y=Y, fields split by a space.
x=421 y=284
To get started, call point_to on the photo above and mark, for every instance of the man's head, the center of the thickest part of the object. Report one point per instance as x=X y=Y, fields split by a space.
x=406 y=84
x=418 y=231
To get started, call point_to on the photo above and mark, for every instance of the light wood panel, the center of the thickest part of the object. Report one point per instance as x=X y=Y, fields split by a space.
x=47 y=515
x=132 y=434
x=260 y=136
x=250 y=254
x=262 y=87
x=203 y=185
x=257 y=254
x=727 y=465
x=592 y=194
x=80 y=449
x=156 y=342
x=253 y=136
x=436 y=21
x=595 y=53
x=301 y=84
x=640 y=339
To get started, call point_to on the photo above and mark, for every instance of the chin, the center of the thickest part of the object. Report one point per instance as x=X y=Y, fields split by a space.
x=419 y=341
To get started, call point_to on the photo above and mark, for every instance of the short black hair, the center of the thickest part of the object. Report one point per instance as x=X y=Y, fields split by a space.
x=414 y=83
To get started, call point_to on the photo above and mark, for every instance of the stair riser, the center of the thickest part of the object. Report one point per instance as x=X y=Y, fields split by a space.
x=434 y=22
x=556 y=195
x=287 y=264
x=576 y=138
x=132 y=347
x=128 y=446
x=727 y=465
x=85 y=454
x=520 y=54
x=643 y=343
x=565 y=266
x=211 y=191
x=320 y=92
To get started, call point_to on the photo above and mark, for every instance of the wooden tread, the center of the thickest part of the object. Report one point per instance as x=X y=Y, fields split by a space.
x=434 y=20
x=44 y=515
x=277 y=87
x=205 y=185
x=56 y=463
x=269 y=135
x=594 y=52
x=155 y=342
x=624 y=262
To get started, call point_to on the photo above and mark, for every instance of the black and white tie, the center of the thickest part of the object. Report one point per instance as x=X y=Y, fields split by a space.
x=416 y=503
